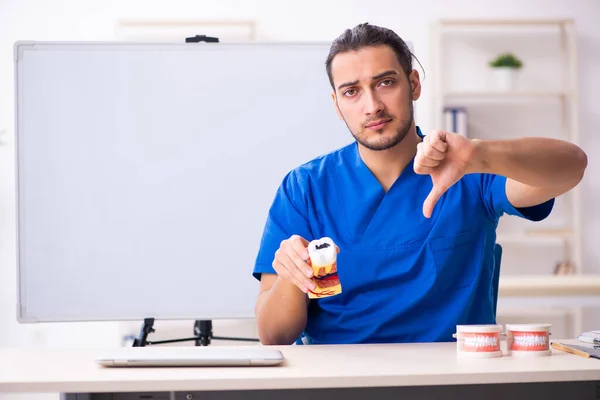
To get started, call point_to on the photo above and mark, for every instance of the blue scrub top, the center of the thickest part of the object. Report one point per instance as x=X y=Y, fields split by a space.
x=405 y=278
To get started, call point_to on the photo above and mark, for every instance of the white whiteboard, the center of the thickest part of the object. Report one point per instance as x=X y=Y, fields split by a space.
x=145 y=172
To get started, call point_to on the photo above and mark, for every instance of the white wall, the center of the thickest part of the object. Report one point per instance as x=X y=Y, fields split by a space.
x=277 y=20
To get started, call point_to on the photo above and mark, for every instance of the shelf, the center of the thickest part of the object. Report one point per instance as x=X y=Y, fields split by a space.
x=518 y=22
x=507 y=95
x=505 y=22
x=554 y=285
x=522 y=238
x=514 y=28
x=556 y=236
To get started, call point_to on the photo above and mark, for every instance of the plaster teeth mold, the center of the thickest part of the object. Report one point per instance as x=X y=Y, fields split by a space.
x=478 y=341
x=528 y=340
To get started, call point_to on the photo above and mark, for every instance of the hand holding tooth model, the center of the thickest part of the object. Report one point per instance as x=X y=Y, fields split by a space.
x=312 y=267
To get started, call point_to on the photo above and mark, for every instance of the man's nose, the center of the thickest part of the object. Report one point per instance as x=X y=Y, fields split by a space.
x=373 y=104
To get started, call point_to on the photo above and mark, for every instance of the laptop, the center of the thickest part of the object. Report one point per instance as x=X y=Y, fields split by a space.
x=190 y=356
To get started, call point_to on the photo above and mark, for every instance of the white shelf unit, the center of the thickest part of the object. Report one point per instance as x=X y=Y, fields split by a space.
x=461 y=50
x=545 y=97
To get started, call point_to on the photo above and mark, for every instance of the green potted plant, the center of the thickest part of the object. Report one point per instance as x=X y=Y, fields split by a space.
x=505 y=68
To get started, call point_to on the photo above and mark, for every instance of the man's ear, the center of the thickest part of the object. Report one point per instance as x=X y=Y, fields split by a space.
x=335 y=105
x=415 y=84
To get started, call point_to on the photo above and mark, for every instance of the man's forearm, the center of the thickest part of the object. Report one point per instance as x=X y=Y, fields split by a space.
x=281 y=313
x=539 y=162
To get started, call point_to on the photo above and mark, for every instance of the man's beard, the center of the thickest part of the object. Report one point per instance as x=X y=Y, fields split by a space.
x=384 y=143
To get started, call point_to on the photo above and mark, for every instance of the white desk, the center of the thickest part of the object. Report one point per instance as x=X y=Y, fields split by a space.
x=385 y=371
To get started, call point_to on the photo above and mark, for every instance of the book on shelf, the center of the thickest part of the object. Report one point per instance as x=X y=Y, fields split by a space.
x=456 y=120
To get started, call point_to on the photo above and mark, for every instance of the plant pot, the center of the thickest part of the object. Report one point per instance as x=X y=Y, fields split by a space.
x=505 y=78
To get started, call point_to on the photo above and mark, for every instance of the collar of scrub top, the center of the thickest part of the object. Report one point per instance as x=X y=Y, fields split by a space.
x=420 y=133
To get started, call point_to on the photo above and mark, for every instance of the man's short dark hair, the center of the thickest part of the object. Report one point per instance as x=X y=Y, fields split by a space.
x=365 y=35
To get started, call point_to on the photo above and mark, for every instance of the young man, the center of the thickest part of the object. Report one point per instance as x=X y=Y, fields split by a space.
x=413 y=216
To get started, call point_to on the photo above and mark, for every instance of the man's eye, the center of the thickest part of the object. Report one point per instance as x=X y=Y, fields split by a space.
x=350 y=92
x=387 y=82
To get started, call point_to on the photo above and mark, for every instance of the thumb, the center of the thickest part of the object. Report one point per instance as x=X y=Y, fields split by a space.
x=431 y=200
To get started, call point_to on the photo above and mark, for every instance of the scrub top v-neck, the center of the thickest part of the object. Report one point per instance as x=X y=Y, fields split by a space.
x=404 y=277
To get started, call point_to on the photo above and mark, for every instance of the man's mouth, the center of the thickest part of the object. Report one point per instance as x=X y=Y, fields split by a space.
x=376 y=125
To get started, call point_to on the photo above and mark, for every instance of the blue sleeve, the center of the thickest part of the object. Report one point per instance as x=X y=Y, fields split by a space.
x=288 y=215
x=493 y=193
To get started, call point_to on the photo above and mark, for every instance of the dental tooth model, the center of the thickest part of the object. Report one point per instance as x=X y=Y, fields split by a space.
x=323 y=259
x=528 y=340
x=478 y=341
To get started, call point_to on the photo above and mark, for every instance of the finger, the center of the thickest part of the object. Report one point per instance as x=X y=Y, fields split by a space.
x=422 y=161
x=283 y=272
x=433 y=153
x=419 y=169
x=298 y=271
x=426 y=162
x=289 y=259
x=437 y=140
x=428 y=151
x=300 y=245
x=299 y=239
x=299 y=262
x=431 y=200
x=299 y=255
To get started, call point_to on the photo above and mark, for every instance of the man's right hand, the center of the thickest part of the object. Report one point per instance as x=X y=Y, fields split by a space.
x=292 y=263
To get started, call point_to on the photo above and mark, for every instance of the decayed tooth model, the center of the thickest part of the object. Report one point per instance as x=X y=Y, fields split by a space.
x=323 y=259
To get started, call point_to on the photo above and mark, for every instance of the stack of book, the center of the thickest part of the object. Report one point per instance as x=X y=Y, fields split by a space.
x=592 y=337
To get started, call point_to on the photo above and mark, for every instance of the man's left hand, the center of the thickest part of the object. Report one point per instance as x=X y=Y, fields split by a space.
x=445 y=156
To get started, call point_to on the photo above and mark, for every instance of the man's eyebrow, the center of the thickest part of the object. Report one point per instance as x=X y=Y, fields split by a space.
x=346 y=84
x=386 y=73
x=378 y=76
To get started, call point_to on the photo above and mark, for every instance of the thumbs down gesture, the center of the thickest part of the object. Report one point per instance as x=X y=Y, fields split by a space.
x=446 y=157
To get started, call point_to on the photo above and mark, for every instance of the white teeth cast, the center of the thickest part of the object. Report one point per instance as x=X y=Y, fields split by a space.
x=322 y=252
x=531 y=340
x=481 y=341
